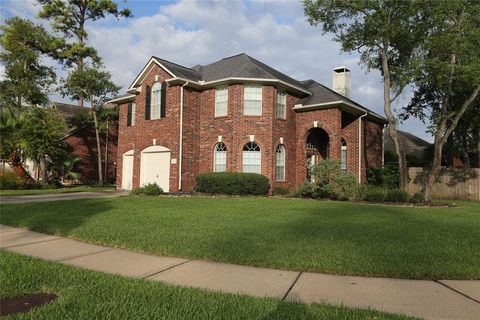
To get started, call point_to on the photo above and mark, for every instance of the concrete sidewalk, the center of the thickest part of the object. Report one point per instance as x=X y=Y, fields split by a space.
x=60 y=196
x=449 y=299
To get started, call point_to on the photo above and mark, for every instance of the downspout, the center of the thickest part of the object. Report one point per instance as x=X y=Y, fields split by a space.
x=180 y=152
x=360 y=147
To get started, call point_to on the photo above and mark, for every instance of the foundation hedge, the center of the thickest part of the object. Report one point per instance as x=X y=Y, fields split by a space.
x=232 y=183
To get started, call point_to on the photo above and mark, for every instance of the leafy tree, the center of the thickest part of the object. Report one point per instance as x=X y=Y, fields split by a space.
x=11 y=122
x=449 y=84
x=387 y=34
x=466 y=136
x=94 y=86
x=70 y=17
x=26 y=80
x=42 y=130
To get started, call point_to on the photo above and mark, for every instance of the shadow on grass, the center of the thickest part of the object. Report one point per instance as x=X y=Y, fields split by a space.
x=382 y=241
x=57 y=217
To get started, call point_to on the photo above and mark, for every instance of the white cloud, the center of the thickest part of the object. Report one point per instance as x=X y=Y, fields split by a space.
x=201 y=32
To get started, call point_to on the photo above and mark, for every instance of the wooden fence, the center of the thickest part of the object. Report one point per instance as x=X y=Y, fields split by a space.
x=452 y=183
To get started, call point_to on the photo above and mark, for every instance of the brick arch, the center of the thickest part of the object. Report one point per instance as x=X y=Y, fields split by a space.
x=334 y=141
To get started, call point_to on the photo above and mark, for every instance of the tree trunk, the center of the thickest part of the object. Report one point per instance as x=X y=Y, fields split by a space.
x=43 y=170
x=106 y=153
x=99 y=150
x=478 y=148
x=427 y=187
x=392 y=121
x=442 y=133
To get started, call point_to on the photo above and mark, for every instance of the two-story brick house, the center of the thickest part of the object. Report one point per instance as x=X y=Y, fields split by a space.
x=239 y=115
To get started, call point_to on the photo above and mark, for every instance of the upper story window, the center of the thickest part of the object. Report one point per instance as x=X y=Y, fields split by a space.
x=252 y=158
x=281 y=104
x=280 y=163
x=221 y=101
x=156 y=101
x=252 y=100
x=220 y=158
x=131 y=114
x=343 y=157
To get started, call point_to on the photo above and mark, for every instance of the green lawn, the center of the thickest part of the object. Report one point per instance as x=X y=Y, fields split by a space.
x=83 y=188
x=292 y=234
x=85 y=294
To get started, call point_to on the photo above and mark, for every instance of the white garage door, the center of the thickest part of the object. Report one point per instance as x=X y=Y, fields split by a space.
x=127 y=170
x=155 y=167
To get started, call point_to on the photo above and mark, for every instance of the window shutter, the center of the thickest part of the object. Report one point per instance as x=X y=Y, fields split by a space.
x=163 y=106
x=129 y=114
x=147 y=102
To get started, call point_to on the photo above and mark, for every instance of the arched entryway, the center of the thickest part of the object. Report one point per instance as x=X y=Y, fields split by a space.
x=317 y=147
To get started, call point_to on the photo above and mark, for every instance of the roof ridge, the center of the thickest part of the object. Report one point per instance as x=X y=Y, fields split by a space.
x=235 y=55
x=176 y=64
x=261 y=65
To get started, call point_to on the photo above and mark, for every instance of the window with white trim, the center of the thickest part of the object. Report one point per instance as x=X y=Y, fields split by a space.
x=220 y=158
x=343 y=157
x=131 y=114
x=281 y=104
x=156 y=101
x=221 y=101
x=280 y=162
x=252 y=100
x=252 y=158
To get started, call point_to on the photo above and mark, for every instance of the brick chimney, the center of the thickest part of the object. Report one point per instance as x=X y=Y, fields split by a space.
x=341 y=81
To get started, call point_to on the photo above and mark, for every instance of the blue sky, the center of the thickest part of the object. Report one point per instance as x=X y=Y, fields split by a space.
x=191 y=32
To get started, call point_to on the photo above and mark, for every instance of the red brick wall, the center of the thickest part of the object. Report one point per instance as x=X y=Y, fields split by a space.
x=140 y=136
x=83 y=144
x=202 y=128
x=329 y=120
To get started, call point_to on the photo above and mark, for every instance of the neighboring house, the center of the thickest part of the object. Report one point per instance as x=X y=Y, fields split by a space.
x=82 y=143
x=416 y=148
x=239 y=115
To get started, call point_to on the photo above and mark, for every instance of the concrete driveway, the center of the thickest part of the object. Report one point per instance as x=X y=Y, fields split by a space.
x=60 y=196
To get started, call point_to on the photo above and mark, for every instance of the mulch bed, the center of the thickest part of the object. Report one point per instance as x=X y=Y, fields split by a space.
x=25 y=303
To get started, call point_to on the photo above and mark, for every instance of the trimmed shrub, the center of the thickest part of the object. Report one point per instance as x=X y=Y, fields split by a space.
x=417 y=198
x=280 y=191
x=397 y=195
x=330 y=182
x=386 y=176
x=306 y=190
x=151 y=189
x=343 y=187
x=374 y=194
x=232 y=183
x=9 y=181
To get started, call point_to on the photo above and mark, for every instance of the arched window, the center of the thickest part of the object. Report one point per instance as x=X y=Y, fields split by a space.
x=343 y=157
x=280 y=163
x=252 y=158
x=220 y=158
x=156 y=101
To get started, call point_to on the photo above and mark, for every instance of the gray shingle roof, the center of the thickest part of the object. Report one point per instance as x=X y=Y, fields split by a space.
x=244 y=66
x=180 y=71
